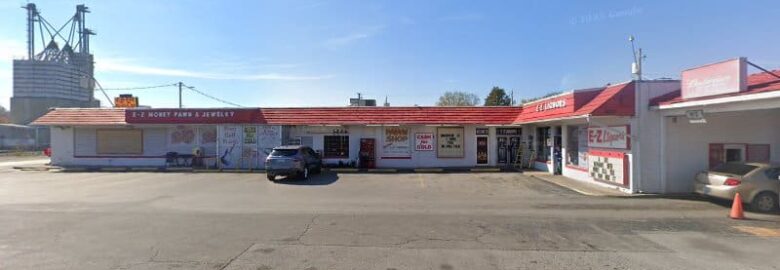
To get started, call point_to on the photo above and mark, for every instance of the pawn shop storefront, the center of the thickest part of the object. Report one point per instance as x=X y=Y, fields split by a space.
x=368 y=137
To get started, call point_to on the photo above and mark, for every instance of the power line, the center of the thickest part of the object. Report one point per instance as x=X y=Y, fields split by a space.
x=211 y=97
x=139 y=87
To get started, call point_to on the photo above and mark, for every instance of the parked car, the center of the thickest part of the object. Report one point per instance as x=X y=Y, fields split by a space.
x=757 y=183
x=292 y=160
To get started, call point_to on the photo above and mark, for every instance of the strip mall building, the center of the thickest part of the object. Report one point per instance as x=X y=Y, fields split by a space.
x=637 y=136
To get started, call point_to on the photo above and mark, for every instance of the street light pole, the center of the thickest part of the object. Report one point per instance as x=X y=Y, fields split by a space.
x=180 y=85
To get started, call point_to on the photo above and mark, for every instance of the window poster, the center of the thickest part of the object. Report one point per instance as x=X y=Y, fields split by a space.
x=250 y=135
x=181 y=135
x=397 y=142
x=450 y=142
x=208 y=135
x=229 y=146
x=249 y=152
x=268 y=137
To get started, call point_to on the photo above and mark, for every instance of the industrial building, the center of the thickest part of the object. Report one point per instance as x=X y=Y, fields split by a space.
x=60 y=75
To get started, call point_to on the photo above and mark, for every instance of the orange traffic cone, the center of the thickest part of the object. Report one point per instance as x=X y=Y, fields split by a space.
x=736 y=208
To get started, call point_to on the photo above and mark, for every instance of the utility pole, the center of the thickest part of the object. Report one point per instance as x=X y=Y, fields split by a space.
x=180 y=85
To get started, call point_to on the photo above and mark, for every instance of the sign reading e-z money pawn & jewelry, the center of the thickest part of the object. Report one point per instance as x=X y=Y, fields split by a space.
x=450 y=141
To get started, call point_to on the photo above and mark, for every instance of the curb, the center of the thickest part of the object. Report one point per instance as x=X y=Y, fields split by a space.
x=145 y=169
x=382 y=170
x=429 y=170
x=113 y=169
x=206 y=170
x=485 y=170
x=34 y=169
x=239 y=171
x=75 y=169
x=344 y=170
x=580 y=191
x=178 y=169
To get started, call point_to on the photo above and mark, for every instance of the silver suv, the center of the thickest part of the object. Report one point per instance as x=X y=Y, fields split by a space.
x=292 y=160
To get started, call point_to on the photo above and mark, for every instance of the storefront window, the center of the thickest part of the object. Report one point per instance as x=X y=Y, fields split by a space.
x=543 y=144
x=336 y=147
x=577 y=146
x=120 y=141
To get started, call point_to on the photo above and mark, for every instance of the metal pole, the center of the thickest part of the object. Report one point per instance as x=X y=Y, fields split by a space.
x=639 y=74
x=180 y=85
x=31 y=12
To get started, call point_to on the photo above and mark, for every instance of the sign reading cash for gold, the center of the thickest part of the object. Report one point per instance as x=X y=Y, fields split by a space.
x=450 y=142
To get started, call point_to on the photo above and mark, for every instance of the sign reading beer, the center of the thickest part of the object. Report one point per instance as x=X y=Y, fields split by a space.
x=423 y=141
x=190 y=116
x=450 y=142
x=608 y=137
x=715 y=79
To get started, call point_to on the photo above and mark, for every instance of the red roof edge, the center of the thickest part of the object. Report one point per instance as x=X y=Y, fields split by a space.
x=665 y=97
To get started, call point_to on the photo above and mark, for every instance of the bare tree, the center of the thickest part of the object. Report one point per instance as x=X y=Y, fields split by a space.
x=458 y=98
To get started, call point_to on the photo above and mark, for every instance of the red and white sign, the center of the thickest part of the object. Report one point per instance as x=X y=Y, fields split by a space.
x=191 y=116
x=609 y=137
x=423 y=141
x=552 y=104
x=715 y=79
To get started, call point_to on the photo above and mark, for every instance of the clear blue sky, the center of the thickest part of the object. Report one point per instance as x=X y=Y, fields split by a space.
x=321 y=52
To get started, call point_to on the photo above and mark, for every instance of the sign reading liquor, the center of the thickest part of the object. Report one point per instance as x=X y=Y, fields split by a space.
x=549 y=105
x=715 y=79
x=423 y=141
x=191 y=116
x=609 y=137
x=450 y=142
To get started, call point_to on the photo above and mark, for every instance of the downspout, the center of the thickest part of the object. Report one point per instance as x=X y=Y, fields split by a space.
x=637 y=143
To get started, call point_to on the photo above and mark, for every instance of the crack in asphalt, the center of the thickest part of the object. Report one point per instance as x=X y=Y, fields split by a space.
x=237 y=255
x=307 y=229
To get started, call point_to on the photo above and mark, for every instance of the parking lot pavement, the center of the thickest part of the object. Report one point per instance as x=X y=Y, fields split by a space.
x=56 y=220
x=7 y=162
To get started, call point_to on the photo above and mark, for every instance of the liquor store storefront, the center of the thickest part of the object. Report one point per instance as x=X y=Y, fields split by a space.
x=588 y=134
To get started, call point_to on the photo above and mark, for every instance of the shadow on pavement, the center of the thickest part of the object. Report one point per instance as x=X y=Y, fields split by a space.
x=726 y=204
x=325 y=178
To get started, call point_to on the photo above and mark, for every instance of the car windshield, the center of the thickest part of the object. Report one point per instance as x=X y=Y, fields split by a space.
x=284 y=152
x=734 y=168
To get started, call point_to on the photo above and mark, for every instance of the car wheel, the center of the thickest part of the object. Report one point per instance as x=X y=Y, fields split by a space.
x=764 y=202
x=305 y=173
x=271 y=177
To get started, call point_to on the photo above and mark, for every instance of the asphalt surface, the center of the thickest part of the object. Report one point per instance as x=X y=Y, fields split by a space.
x=58 y=220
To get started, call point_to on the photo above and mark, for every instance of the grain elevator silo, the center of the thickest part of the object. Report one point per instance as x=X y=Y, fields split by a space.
x=59 y=75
